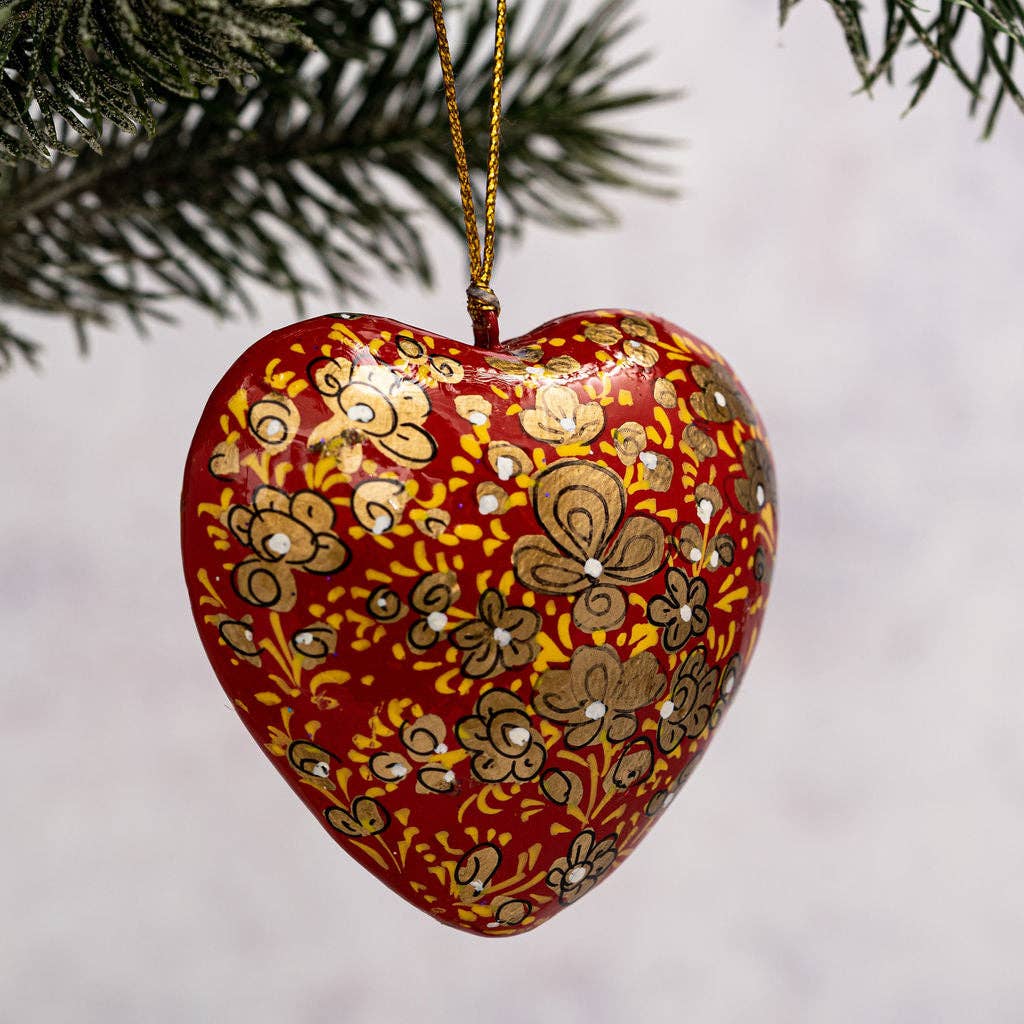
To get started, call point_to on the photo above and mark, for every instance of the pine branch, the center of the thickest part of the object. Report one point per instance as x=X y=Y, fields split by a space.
x=991 y=30
x=344 y=154
x=80 y=64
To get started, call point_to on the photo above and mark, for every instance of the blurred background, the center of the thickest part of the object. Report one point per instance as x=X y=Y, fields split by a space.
x=851 y=847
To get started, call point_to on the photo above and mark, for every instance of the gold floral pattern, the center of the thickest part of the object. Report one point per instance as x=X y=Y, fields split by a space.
x=501 y=639
x=378 y=504
x=367 y=817
x=597 y=693
x=581 y=507
x=285 y=533
x=561 y=418
x=757 y=488
x=575 y=874
x=274 y=421
x=371 y=403
x=315 y=643
x=682 y=611
x=720 y=399
x=688 y=710
x=502 y=739
x=432 y=596
x=633 y=768
x=471 y=640
x=238 y=635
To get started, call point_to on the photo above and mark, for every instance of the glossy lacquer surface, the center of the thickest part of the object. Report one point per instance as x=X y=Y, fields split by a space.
x=484 y=611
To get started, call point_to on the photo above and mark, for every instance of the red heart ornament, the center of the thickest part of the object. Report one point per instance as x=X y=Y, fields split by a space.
x=483 y=610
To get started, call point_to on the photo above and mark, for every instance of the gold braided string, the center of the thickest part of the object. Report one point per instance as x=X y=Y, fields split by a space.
x=482 y=303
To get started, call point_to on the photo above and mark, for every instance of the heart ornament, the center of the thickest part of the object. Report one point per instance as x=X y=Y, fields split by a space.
x=483 y=610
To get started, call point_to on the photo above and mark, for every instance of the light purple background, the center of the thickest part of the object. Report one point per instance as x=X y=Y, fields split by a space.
x=851 y=848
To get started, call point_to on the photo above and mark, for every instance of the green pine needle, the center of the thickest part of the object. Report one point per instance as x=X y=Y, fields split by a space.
x=975 y=40
x=343 y=154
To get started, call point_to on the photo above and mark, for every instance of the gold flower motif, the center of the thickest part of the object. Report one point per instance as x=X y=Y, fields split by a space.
x=732 y=674
x=639 y=353
x=432 y=596
x=561 y=418
x=378 y=504
x=720 y=399
x=315 y=643
x=274 y=421
x=682 y=611
x=502 y=739
x=238 y=635
x=605 y=335
x=757 y=488
x=285 y=533
x=474 y=408
x=632 y=769
x=224 y=460
x=638 y=327
x=658 y=471
x=581 y=507
x=665 y=393
x=688 y=710
x=562 y=787
x=508 y=461
x=501 y=639
x=366 y=818
x=702 y=445
x=314 y=764
x=432 y=521
x=372 y=404
x=507 y=913
x=475 y=869
x=598 y=693
x=630 y=439
x=575 y=874
x=385 y=605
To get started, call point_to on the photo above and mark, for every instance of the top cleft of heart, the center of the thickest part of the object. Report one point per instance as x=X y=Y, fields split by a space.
x=483 y=610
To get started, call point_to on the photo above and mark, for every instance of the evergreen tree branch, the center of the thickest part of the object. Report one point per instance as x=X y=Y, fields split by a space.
x=991 y=30
x=344 y=154
x=80 y=64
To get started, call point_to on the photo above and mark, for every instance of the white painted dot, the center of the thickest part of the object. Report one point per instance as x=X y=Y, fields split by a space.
x=381 y=523
x=505 y=467
x=321 y=769
x=714 y=560
x=382 y=602
x=273 y=428
x=476 y=885
x=360 y=413
x=488 y=504
x=437 y=621
x=760 y=495
x=398 y=770
x=449 y=777
x=576 y=875
x=720 y=399
x=304 y=638
x=730 y=682
x=666 y=709
x=502 y=637
x=595 y=710
x=686 y=613
x=248 y=635
x=593 y=568
x=478 y=419
x=705 y=510
x=567 y=423
x=441 y=748
x=279 y=543
x=519 y=736
x=695 y=554
x=649 y=459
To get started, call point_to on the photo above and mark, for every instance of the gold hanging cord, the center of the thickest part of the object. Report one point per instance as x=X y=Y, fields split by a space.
x=482 y=303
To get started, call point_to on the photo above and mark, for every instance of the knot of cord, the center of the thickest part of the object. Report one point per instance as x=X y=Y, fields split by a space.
x=480 y=300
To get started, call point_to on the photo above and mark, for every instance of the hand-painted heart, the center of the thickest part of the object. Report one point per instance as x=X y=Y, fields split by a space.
x=483 y=610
